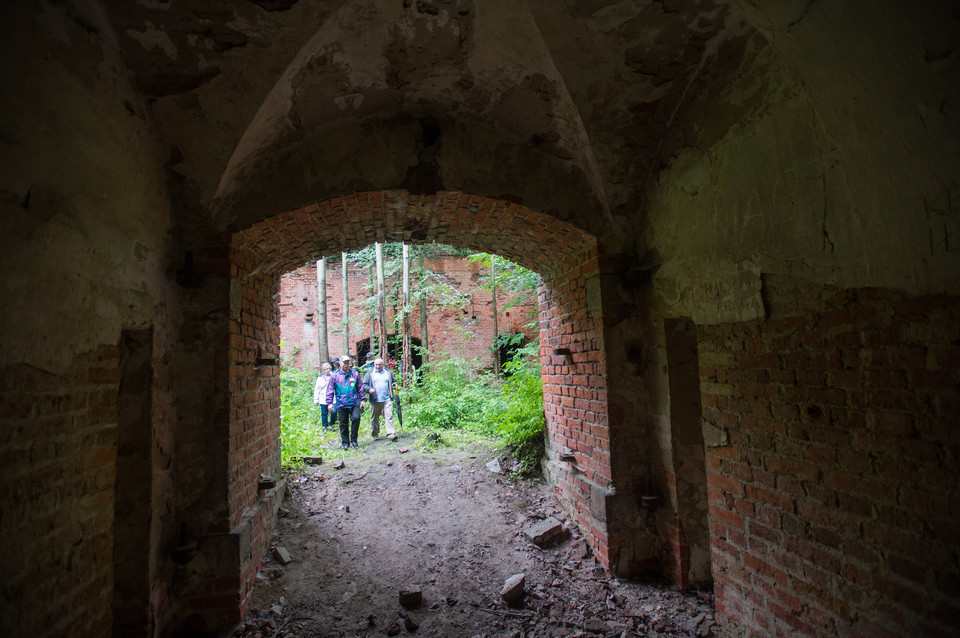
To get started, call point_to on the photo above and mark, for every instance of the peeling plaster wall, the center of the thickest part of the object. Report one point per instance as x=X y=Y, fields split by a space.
x=828 y=156
x=881 y=85
x=85 y=217
x=83 y=252
x=459 y=96
x=773 y=173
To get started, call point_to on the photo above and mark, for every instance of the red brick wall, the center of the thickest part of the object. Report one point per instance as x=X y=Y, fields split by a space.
x=574 y=391
x=254 y=441
x=833 y=508
x=465 y=331
x=574 y=396
x=230 y=438
x=59 y=468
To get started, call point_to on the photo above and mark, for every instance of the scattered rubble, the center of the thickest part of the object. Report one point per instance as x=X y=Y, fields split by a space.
x=411 y=597
x=475 y=554
x=512 y=590
x=282 y=555
x=545 y=532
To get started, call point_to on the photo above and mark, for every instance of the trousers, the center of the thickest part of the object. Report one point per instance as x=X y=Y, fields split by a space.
x=384 y=408
x=349 y=419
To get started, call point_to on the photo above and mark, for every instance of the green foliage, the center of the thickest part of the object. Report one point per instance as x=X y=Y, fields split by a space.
x=299 y=417
x=517 y=281
x=508 y=340
x=450 y=396
x=521 y=425
x=448 y=399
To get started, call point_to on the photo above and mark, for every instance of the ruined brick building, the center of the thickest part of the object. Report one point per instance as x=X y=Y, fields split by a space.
x=459 y=321
x=743 y=212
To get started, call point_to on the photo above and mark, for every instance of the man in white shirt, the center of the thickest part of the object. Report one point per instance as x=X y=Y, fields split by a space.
x=381 y=386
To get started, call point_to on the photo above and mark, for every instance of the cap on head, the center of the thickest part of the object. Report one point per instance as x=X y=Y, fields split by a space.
x=344 y=358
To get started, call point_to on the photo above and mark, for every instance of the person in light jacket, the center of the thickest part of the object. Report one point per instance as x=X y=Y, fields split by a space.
x=320 y=395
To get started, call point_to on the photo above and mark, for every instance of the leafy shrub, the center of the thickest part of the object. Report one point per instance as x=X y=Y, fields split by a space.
x=449 y=398
x=452 y=397
x=299 y=418
x=521 y=425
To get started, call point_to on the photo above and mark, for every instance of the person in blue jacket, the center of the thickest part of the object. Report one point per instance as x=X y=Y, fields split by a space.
x=345 y=389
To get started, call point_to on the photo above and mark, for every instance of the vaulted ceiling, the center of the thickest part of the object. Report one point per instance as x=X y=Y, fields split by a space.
x=563 y=106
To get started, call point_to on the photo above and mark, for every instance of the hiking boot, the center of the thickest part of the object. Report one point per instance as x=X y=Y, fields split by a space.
x=392 y=436
x=354 y=444
x=345 y=446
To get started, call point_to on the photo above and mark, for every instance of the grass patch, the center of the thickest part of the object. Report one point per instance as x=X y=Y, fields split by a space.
x=451 y=408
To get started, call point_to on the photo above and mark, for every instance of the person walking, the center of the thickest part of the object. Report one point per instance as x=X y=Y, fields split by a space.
x=320 y=395
x=345 y=389
x=380 y=384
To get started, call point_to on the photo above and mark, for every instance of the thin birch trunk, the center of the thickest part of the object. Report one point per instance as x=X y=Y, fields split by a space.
x=382 y=305
x=373 y=318
x=424 y=347
x=323 y=347
x=346 y=304
x=406 y=359
x=496 y=350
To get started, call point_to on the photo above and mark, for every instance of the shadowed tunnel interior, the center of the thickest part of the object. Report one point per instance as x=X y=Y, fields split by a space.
x=744 y=214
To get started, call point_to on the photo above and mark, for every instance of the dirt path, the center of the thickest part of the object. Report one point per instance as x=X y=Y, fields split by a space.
x=441 y=522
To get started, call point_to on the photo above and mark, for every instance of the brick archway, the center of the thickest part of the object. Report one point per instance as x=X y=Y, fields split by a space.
x=571 y=330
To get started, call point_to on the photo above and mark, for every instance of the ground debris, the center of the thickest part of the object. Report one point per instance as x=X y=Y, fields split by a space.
x=282 y=555
x=512 y=590
x=456 y=537
x=411 y=597
x=545 y=533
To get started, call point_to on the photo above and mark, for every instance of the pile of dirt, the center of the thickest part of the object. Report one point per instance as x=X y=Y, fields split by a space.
x=445 y=532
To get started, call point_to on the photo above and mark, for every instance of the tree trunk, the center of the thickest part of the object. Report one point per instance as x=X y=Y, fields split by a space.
x=323 y=347
x=406 y=360
x=373 y=318
x=424 y=347
x=382 y=305
x=496 y=349
x=346 y=304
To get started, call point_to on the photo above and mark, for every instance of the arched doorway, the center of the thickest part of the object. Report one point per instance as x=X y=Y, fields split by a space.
x=572 y=349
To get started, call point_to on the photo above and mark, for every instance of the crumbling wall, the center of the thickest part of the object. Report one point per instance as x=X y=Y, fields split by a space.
x=465 y=330
x=254 y=484
x=832 y=428
x=780 y=171
x=84 y=249
x=575 y=373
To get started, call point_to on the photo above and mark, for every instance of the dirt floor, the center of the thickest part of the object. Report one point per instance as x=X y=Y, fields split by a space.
x=399 y=518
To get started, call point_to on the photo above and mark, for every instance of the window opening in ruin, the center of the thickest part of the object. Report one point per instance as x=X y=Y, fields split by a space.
x=509 y=345
x=395 y=352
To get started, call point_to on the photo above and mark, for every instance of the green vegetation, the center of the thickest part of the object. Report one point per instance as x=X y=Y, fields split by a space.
x=451 y=406
x=456 y=402
x=453 y=397
x=299 y=418
x=521 y=425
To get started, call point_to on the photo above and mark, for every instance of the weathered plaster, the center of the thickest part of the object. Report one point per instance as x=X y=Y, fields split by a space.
x=86 y=240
